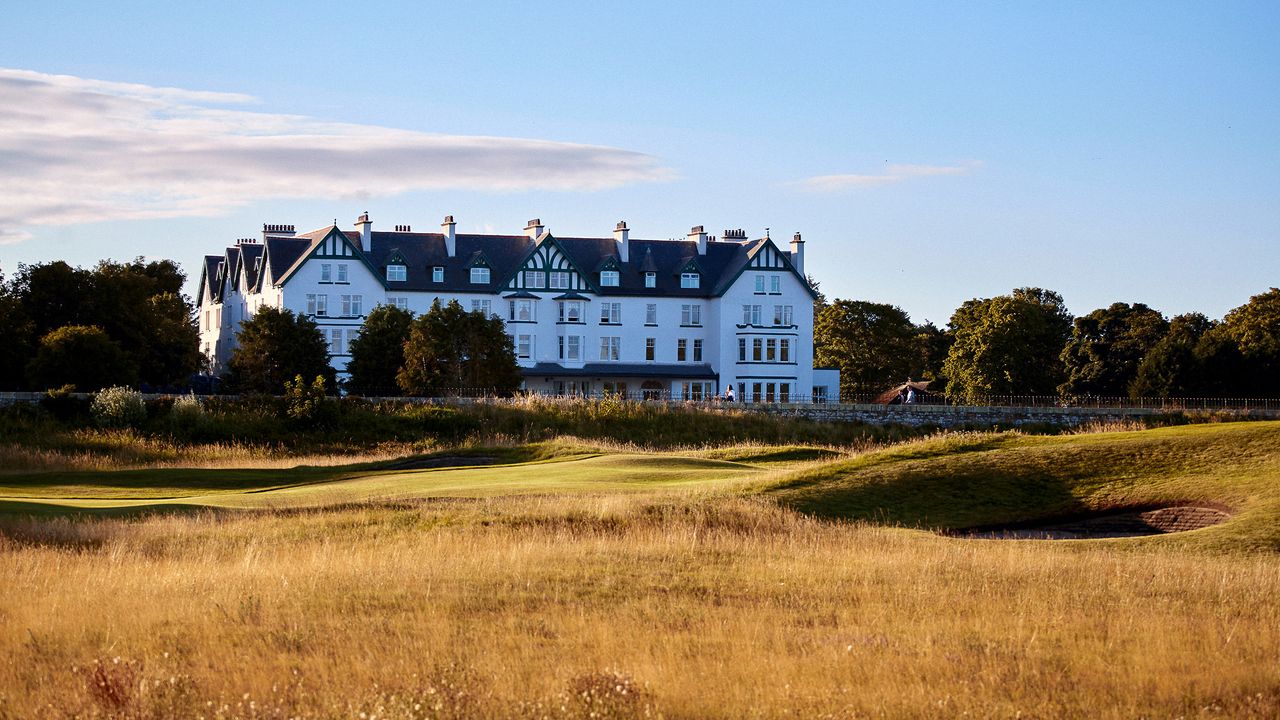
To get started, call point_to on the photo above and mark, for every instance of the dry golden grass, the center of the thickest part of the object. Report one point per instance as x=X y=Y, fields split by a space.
x=677 y=605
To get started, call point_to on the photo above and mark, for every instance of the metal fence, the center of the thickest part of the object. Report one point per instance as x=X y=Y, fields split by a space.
x=474 y=395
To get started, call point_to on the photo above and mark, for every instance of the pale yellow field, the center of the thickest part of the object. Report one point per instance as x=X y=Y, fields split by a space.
x=673 y=604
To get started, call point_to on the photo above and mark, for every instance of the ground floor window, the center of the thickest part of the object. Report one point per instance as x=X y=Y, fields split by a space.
x=573 y=387
x=695 y=391
x=652 y=390
x=614 y=388
x=820 y=394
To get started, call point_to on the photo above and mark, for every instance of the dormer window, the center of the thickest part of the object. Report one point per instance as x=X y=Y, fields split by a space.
x=479 y=276
x=690 y=280
x=397 y=273
x=609 y=278
x=437 y=274
x=651 y=279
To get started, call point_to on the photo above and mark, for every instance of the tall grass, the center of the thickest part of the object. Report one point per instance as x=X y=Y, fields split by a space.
x=676 y=605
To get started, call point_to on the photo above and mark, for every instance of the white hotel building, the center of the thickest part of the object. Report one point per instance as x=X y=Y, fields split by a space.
x=682 y=319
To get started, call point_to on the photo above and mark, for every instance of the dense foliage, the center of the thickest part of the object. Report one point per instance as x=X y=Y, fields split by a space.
x=82 y=357
x=451 y=350
x=275 y=346
x=873 y=344
x=1107 y=346
x=377 y=353
x=137 y=305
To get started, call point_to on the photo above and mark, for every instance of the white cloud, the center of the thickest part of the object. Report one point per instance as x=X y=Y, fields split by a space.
x=893 y=174
x=78 y=150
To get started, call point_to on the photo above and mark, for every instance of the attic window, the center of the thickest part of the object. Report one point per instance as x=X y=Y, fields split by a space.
x=651 y=279
x=396 y=273
x=609 y=278
x=437 y=274
x=479 y=276
x=690 y=280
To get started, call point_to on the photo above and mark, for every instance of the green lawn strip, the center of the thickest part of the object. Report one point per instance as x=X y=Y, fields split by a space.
x=589 y=473
x=1021 y=479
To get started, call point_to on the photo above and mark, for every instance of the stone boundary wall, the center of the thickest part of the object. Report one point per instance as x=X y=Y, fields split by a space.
x=953 y=416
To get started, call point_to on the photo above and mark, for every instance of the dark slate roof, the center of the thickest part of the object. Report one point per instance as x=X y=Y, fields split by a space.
x=505 y=254
x=209 y=276
x=282 y=253
x=698 y=371
x=252 y=253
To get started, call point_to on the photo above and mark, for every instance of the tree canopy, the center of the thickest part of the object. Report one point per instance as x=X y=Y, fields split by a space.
x=873 y=344
x=275 y=346
x=377 y=353
x=1254 y=328
x=1107 y=346
x=82 y=356
x=451 y=350
x=1007 y=345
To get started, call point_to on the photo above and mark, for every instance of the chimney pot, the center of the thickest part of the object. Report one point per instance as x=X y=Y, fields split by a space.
x=450 y=240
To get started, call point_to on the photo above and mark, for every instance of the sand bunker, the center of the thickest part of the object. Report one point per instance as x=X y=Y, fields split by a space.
x=1133 y=523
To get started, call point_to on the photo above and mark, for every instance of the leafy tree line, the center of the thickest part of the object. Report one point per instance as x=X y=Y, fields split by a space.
x=1026 y=343
x=115 y=324
x=443 y=350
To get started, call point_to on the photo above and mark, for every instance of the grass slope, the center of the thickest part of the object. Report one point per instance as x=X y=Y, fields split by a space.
x=975 y=480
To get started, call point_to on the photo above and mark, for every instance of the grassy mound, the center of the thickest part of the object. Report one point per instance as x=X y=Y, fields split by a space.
x=960 y=481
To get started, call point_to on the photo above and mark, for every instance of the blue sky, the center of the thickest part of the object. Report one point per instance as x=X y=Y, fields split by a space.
x=929 y=154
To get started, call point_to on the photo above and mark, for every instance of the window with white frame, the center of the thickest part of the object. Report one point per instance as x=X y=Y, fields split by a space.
x=695 y=390
x=650 y=348
x=820 y=394
x=482 y=306
x=522 y=310
x=437 y=273
x=535 y=279
x=651 y=314
x=400 y=302
x=342 y=272
x=524 y=346
x=651 y=279
x=691 y=314
x=697 y=350
x=570 y=311
x=326 y=272
x=690 y=280
x=742 y=349
x=775 y=284
x=559 y=280
x=782 y=314
x=759 y=284
x=352 y=305
x=335 y=342
x=479 y=276
x=784 y=350
x=317 y=304
x=610 y=348
x=757 y=350
x=682 y=350
x=610 y=313
x=771 y=350
x=609 y=278
x=750 y=314
x=570 y=347
x=397 y=273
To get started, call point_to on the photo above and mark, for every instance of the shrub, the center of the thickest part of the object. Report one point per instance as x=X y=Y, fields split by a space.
x=187 y=413
x=304 y=402
x=118 y=407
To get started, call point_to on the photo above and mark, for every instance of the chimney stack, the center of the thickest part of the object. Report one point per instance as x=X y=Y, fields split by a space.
x=797 y=254
x=621 y=237
x=533 y=229
x=277 y=231
x=365 y=226
x=697 y=233
x=450 y=240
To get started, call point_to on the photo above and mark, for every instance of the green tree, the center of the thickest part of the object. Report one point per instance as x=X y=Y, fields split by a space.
x=82 y=356
x=1107 y=346
x=1255 y=329
x=377 y=353
x=18 y=347
x=170 y=352
x=54 y=295
x=931 y=346
x=873 y=344
x=1006 y=345
x=274 y=346
x=450 y=349
x=1178 y=364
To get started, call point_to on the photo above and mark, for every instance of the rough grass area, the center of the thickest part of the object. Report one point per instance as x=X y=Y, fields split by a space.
x=670 y=605
x=973 y=480
x=589 y=579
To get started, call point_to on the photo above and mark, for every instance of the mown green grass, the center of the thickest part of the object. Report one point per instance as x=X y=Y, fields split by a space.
x=989 y=479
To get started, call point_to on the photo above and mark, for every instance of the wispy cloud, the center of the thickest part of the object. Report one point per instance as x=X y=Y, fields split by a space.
x=892 y=175
x=77 y=150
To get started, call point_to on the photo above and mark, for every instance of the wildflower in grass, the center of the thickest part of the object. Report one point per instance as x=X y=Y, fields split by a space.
x=118 y=407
